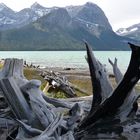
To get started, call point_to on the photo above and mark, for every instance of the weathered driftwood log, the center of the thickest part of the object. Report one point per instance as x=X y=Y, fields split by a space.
x=32 y=109
x=117 y=73
x=57 y=102
x=110 y=107
x=40 y=107
x=130 y=105
x=59 y=82
x=99 y=77
x=15 y=98
x=76 y=116
x=7 y=127
x=12 y=79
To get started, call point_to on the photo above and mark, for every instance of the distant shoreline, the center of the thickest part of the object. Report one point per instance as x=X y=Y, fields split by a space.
x=69 y=59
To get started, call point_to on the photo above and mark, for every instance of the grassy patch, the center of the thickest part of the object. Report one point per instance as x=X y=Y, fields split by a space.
x=84 y=84
x=1 y=65
x=31 y=73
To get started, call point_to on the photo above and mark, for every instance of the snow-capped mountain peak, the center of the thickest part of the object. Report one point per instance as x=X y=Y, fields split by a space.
x=36 y=5
x=10 y=19
x=39 y=9
x=2 y=6
x=88 y=15
x=129 y=30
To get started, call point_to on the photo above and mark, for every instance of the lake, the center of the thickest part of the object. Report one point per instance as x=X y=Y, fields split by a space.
x=68 y=59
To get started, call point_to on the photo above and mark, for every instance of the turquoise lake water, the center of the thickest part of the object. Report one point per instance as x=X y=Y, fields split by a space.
x=70 y=59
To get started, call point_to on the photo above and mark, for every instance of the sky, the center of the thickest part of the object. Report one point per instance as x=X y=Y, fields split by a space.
x=120 y=13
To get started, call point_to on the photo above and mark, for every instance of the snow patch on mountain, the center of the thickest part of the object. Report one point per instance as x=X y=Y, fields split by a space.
x=10 y=19
x=127 y=31
x=134 y=29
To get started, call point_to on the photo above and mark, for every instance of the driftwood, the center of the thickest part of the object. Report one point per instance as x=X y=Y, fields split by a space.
x=116 y=70
x=58 y=82
x=28 y=114
x=31 y=110
x=129 y=106
x=110 y=107
x=13 y=95
x=99 y=77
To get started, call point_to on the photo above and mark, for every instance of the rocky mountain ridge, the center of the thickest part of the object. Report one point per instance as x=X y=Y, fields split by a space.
x=10 y=19
x=131 y=32
x=61 y=29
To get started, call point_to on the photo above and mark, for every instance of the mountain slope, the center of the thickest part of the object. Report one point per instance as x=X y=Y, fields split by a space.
x=7 y=16
x=61 y=30
x=131 y=32
x=89 y=13
x=10 y=19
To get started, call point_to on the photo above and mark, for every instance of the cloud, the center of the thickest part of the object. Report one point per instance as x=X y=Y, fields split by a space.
x=122 y=13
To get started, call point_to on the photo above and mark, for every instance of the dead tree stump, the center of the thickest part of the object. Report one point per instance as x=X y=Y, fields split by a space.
x=107 y=112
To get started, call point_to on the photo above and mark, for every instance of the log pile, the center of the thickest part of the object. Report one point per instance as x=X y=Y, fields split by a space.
x=27 y=114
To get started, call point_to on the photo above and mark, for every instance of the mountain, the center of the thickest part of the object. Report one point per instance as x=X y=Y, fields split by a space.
x=131 y=32
x=89 y=13
x=64 y=29
x=10 y=19
x=7 y=16
x=40 y=10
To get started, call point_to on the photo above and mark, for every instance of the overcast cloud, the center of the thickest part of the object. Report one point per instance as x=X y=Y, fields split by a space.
x=121 y=13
